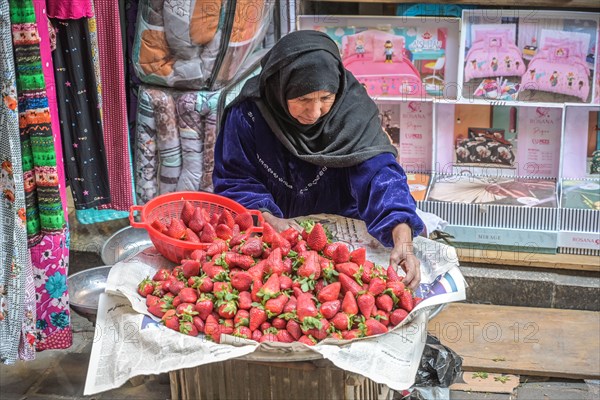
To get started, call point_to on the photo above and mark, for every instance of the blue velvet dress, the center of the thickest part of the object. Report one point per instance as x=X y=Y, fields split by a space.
x=253 y=168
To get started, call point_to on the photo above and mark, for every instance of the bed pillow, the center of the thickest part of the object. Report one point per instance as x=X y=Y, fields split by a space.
x=572 y=47
x=379 y=47
x=495 y=40
x=484 y=34
x=350 y=42
x=558 y=54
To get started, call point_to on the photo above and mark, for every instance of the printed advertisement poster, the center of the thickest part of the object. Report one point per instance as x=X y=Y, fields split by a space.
x=539 y=141
x=416 y=135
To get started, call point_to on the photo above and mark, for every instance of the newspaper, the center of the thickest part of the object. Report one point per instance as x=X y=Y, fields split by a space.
x=129 y=341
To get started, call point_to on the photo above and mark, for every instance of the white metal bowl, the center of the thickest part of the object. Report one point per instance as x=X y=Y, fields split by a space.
x=124 y=243
x=85 y=288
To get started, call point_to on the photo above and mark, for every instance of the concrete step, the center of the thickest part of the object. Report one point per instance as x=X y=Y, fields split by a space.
x=532 y=287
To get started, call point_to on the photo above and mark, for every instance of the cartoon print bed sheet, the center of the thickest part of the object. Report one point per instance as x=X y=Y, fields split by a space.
x=485 y=60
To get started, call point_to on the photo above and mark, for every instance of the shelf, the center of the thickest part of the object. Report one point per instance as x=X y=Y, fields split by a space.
x=550 y=261
x=571 y=4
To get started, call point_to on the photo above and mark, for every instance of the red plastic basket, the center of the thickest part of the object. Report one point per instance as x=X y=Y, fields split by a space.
x=167 y=206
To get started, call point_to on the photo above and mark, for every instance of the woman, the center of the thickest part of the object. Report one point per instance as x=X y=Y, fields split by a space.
x=303 y=137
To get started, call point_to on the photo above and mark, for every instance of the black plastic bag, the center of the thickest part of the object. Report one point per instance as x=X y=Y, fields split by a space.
x=440 y=365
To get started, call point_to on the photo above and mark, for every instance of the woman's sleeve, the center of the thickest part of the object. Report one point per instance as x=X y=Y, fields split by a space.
x=383 y=197
x=235 y=174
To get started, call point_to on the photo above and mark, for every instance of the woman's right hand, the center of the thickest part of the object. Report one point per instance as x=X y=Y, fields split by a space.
x=280 y=224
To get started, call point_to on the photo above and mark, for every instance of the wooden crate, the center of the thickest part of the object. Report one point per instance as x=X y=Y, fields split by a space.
x=241 y=379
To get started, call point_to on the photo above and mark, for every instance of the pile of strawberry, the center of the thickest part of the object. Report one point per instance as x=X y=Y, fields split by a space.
x=284 y=287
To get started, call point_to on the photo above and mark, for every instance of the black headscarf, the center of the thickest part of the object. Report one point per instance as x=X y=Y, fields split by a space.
x=303 y=62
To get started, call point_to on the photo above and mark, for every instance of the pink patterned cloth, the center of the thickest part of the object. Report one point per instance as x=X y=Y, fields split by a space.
x=50 y=260
x=69 y=9
x=114 y=104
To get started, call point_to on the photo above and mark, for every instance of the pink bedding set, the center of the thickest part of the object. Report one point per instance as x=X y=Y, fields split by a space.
x=559 y=67
x=379 y=61
x=493 y=53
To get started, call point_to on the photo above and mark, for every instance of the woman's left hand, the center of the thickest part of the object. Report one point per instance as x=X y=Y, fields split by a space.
x=403 y=255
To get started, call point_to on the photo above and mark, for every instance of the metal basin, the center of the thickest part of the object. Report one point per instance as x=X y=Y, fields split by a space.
x=124 y=243
x=85 y=288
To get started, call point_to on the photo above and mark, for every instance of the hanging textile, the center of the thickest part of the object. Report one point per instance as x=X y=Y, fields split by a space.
x=79 y=112
x=131 y=8
x=114 y=112
x=69 y=9
x=17 y=295
x=47 y=233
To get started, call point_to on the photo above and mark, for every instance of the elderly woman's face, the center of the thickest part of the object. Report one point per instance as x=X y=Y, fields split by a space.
x=309 y=108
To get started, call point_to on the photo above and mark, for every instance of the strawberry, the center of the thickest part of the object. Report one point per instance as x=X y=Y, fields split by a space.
x=320 y=332
x=341 y=254
x=203 y=283
x=270 y=289
x=317 y=238
x=227 y=309
x=290 y=306
x=211 y=325
x=329 y=249
x=244 y=301
x=305 y=307
x=198 y=323
x=252 y=247
x=191 y=236
x=257 y=316
x=352 y=334
x=238 y=260
x=226 y=218
x=328 y=271
x=198 y=220
x=367 y=270
x=198 y=255
x=145 y=287
x=176 y=286
x=348 y=268
x=256 y=335
x=384 y=302
x=377 y=286
x=190 y=268
x=159 y=308
x=238 y=238
x=406 y=301
x=217 y=247
x=212 y=270
x=291 y=235
x=241 y=281
x=330 y=308
x=187 y=212
x=275 y=306
x=373 y=327
x=243 y=332
x=319 y=285
x=365 y=302
x=293 y=327
x=301 y=247
x=268 y=337
x=208 y=234
x=265 y=326
x=392 y=274
x=204 y=306
x=396 y=287
x=307 y=340
x=257 y=271
x=161 y=275
x=159 y=226
x=285 y=282
x=310 y=268
x=242 y=318
x=186 y=309
x=330 y=292
x=170 y=320
x=176 y=229
x=341 y=321
x=279 y=242
x=188 y=295
x=278 y=323
x=382 y=316
x=358 y=256
x=284 y=336
x=274 y=263
x=349 y=305
x=349 y=284
x=221 y=288
x=223 y=232
x=244 y=220
x=254 y=292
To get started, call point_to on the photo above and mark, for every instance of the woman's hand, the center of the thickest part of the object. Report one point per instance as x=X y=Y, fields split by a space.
x=280 y=224
x=403 y=255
